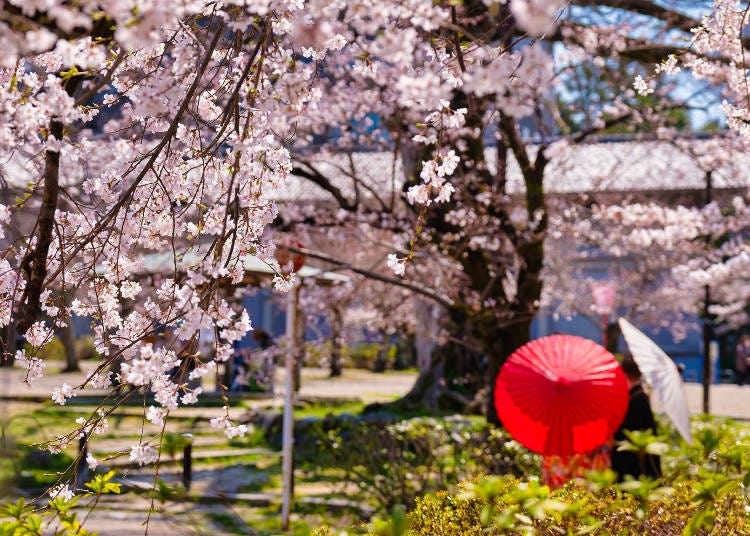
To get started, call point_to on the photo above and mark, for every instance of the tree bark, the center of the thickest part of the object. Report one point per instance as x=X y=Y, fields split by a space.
x=67 y=337
x=34 y=262
x=9 y=346
x=336 y=322
x=509 y=340
x=452 y=381
x=428 y=316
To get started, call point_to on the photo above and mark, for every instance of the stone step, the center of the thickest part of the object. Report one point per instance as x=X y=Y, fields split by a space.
x=183 y=413
x=201 y=454
x=338 y=505
x=123 y=442
x=260 y=499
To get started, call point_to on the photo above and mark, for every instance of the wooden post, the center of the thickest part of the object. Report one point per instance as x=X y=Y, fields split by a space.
x=82 y=467
x=187 y=461
x=707 y=328
x=706 y=368
x=287 y=445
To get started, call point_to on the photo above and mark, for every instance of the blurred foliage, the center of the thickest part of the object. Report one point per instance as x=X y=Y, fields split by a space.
x=393 y=463
x=364 y=355
x=172 y=444
x=25 y=518
x=373 y=356
x=704 y=491
x=86 y=349
x=505 y=505
x=52 y=351
x=22 y=465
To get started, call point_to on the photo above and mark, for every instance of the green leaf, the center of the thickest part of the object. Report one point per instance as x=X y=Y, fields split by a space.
x=15 y=510
x=523 y=518
x=657 y=448
x=599 y=480
x=101 y=484
x=486 y=515
x=713 y=487
x=590 y=528
x=703 y=517
x=32 y=525
x=506 y=518
x=709 y=440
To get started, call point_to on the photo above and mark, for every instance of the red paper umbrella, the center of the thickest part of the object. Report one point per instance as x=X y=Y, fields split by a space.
x=561 y=395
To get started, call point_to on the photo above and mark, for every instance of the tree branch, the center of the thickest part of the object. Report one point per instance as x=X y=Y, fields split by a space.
x=34 y=262
x=429 y=293
x=672 y=18
x=154 y=153
x=316 y=177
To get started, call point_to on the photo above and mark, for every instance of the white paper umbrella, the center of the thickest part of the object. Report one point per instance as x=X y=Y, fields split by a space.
x=661 y=375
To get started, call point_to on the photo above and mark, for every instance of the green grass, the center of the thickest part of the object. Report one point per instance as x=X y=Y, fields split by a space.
x=27 y=468
x=267 y=522
x=321 y=409
x=253 y=439
x=409 y=370
x=228 y=522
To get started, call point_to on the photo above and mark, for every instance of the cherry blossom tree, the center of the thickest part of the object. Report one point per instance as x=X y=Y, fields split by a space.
x=131 y=128
x=134 y=128
x=718 y=56
x=469 y=141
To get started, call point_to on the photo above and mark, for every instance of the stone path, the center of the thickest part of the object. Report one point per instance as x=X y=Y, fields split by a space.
x=127 y=515
x=726 y=399
x=355 y=384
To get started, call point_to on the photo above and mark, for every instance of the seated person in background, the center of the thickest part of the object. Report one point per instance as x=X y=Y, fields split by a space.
x=638 y=417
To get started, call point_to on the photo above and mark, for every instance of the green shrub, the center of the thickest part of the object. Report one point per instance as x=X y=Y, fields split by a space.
x=29 y=468
x=22 y=518
x=393 y=463
x=86 y=349
x=363 y=355
x=509 y=506
x=366 y=355
x=318 y=354
x=52 y=351
x=704 y=490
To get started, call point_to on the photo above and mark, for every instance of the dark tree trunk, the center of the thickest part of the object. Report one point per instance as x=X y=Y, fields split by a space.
x=336 y=322
x=34 y=263
x=67 y=336
x=461 y=374
x=68 y=340
x=405 y=352
x=449 y=384
x=381 y=359
x=510 y=339
x=460 y=379
x=9 y=345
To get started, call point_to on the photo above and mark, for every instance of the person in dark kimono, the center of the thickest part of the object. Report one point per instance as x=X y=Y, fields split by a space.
x=742 y=358
x=638 y=417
